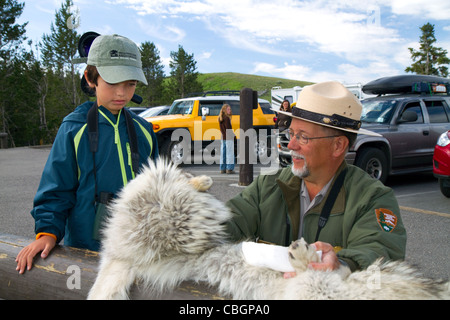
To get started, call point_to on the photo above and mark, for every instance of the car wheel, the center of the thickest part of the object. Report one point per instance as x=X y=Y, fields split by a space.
x=262 y=148
x=374 y=162
x=175 y=151
x=444 y=185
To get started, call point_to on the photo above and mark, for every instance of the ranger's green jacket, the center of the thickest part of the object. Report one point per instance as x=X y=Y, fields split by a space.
x=364 y=221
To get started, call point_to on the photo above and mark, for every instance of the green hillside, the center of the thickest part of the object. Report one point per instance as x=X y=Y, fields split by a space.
x=237 y=81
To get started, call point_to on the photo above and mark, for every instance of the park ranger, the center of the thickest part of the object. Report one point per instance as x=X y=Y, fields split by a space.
x=352 y=218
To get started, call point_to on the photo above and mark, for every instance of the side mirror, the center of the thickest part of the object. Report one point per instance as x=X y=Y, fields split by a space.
x=408 y=116
x=205 y=112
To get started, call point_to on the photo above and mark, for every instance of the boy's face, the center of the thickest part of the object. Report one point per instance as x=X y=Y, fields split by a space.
x=114 y=96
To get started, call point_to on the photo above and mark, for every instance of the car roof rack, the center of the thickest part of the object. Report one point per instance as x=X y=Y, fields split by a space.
x=409 y=83
x=431 y=88
x=215 y=93
x=222 y=93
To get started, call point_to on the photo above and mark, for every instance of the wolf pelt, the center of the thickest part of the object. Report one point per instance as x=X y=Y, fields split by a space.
x=165 y=229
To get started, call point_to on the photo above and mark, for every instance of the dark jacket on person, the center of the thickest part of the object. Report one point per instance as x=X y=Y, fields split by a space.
x=364 y=223
x=64 y=203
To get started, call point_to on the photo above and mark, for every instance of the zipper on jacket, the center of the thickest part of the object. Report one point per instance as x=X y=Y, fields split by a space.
x=118 y=144
x=130 y=161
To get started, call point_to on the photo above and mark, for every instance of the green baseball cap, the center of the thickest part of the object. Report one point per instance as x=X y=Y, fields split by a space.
x=117 y=59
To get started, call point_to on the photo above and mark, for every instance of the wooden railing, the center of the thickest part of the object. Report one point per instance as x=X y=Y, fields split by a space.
x=68 y=273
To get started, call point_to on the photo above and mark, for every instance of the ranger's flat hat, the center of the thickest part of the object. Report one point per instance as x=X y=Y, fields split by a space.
x=329 y=104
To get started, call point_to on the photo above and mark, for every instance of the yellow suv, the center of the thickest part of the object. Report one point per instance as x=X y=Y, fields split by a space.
x=192 y=124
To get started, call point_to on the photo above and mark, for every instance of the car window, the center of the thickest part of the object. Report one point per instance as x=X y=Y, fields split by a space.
x=181 y=107
x=154 y=111
x=289 y=98
x=436 y=111
x=377 y=111
x=235 y=107
x=214 y=107
x=265 y=107
x=415 y=107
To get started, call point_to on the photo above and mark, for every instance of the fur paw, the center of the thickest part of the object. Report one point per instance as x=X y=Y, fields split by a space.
x=301 y=254
x=201 y=183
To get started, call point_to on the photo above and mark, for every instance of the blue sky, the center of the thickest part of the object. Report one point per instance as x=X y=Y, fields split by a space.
x=346 y=40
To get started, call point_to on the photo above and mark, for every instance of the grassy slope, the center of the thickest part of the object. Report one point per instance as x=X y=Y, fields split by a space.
x=237 y=81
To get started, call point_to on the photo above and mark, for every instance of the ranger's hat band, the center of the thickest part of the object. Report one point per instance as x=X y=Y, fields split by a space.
x=335 y=120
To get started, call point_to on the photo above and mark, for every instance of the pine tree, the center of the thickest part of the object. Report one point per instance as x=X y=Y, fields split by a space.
x=154 y=73
x=58 y=50
x=429 y=60
x=183 y=74
x=11 y=37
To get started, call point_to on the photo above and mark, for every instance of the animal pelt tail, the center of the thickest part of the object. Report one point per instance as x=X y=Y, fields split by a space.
x=395 y=280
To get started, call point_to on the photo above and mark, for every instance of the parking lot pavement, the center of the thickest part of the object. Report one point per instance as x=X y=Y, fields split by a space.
x=425 y=212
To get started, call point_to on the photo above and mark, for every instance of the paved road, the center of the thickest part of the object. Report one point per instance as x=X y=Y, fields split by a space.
x=425 y=211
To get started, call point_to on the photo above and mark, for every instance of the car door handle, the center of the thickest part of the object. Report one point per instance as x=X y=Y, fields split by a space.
x=425 y=132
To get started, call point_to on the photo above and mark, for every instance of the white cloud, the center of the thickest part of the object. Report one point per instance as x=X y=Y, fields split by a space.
x=288 y=71
x=160 y=30
x=364 y=37
x=339 y=27
x=345 y=72
x=205 y=55
x=437 y=10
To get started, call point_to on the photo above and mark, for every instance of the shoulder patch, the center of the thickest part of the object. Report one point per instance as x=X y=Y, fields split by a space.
x=386 y=219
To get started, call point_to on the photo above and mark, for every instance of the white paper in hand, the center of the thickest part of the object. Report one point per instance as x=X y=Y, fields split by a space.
x=267 y=255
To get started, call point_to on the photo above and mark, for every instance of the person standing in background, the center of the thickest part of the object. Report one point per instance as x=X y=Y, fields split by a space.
x=283 y=120
x=227 y=142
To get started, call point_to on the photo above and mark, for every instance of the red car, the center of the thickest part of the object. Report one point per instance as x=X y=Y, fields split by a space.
x=441 y=163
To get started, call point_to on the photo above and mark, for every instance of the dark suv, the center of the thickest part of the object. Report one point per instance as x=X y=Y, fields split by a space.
x=410 y=125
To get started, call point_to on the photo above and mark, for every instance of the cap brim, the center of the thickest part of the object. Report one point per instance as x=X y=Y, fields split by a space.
x=116 y=74
x=360 y=131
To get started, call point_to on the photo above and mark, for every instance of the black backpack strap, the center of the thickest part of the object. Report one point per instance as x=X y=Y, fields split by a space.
x=132 y=136
x=330 y=202
x=92 y=124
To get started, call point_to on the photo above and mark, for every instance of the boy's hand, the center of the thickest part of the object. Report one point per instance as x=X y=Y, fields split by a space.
x=25 y=257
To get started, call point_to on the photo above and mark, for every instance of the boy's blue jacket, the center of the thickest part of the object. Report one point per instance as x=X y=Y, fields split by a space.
x=64 y=203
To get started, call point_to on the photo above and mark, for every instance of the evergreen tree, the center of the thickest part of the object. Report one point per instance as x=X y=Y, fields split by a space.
x=11 y=34
x=154 y=73
x=22 y=102
x=429 y=60
x=11 y=37
x=183 y=74
x=58 y=50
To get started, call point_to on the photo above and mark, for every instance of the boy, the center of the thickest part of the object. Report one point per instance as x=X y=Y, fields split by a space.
x=74 y=178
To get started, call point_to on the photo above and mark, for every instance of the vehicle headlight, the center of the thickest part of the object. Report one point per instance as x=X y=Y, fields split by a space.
x=444 y=139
